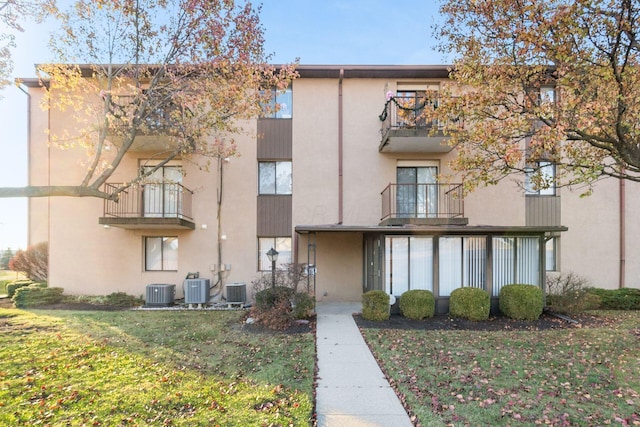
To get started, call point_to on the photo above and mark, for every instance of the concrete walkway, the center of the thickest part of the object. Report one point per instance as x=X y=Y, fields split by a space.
x=351 y=391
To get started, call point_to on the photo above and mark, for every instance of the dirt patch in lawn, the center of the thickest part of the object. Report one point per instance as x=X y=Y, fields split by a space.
x=494 y=323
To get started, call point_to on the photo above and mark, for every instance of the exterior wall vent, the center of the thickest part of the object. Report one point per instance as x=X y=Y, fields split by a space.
x=236 y=293
x=160 y=295
x=196 y=291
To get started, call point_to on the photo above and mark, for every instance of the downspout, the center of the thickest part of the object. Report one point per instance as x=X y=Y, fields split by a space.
x=28 y=157
x=340 y=142
x=623 y=232
x=219 y=224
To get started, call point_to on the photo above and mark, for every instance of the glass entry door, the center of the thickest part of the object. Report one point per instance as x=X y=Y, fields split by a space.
x=417 y=192
x=162 y=192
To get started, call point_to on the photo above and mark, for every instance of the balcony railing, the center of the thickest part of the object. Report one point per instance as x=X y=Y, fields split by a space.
x=408 y=112
x=422 y=202
x=150 y=200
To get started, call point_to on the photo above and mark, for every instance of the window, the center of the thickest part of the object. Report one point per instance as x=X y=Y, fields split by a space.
x=417 y=196
x=409 y=264
x=280 y=244
x=274 y=178
x=161 y=253
x=515 y=260
x=279 y=105
x=540 y=181
x=162 y=192
x=463 y=262
x=547 y=94
x=551 y=251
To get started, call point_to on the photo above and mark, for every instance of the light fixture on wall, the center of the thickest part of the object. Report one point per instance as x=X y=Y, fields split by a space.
x=106 y=226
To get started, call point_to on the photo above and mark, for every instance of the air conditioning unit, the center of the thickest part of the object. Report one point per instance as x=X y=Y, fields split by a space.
x=160 y=295
x=196 y=291
x=236 y=293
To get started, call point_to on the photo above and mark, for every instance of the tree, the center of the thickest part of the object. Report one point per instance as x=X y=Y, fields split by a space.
x=188 y=69
x=5 y=258
x=543 y=80
x=34 y=262
x=12 y=15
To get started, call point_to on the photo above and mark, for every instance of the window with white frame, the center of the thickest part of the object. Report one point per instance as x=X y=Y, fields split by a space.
x=462 y=263
x=274 y=178
x=515 y=260
x=160 y=253
x=547 y=94
x=279 y=105
x=281 y=244
x=540 y=180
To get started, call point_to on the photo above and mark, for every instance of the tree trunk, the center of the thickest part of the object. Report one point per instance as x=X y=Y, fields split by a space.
x=54 y=190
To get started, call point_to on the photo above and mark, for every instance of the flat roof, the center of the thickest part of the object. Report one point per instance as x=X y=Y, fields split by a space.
x=331 y=72
x=439 y=230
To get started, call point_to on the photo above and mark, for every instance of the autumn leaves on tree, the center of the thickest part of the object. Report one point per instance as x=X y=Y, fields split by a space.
x=541 y=80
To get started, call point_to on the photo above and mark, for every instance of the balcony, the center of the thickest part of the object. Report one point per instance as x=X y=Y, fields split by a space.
x=165 y=206
x=154 y=132
x=406 y=129
x=423 y=204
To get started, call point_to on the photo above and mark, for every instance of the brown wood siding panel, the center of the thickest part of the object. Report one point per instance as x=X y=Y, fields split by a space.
x=274 y=216
x=274 y=139
x=542 y=210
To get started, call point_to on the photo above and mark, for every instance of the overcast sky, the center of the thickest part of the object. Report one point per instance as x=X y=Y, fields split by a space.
x=374 y=32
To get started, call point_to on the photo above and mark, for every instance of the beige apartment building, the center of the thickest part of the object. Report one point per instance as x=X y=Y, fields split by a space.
x=340 y=178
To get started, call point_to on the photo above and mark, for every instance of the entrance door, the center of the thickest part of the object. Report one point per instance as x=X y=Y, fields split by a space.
x=162 y=192
x=417 y=192
x=373 y=266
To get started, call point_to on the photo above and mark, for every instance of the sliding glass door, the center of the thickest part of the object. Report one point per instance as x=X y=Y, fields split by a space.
x=417 y=192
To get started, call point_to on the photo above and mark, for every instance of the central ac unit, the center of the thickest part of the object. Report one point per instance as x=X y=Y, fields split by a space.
x=196 y=291
x=160 y=295
x=236 y=293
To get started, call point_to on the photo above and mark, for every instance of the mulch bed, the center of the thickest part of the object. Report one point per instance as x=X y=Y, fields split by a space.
x=494 y=323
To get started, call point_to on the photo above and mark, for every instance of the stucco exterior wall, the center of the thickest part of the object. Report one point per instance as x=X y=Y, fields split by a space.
x=87 y=258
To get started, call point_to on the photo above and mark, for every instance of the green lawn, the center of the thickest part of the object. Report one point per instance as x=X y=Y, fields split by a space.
x=151 y=368
x=587 y=376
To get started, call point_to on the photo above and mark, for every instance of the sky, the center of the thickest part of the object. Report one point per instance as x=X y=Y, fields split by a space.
x=346 y=32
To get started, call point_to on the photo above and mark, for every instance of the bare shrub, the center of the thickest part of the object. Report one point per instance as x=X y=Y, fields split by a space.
x=567 y=293
x=34 y=262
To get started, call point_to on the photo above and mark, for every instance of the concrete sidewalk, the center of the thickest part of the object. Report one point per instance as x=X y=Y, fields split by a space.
x=351 y=390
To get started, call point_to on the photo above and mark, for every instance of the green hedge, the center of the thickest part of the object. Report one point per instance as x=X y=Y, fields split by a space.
x=617 y=299
x=17 y=284
x=521 y=302
x=269 y=297
x=35 y=295
x=375 y=306
x=417 y=304
x=303 y=305
x=470 y=303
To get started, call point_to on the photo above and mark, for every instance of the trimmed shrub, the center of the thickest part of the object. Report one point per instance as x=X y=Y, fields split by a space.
x=417 y=304
x=302 y=305
x=17 y=284
x=470 y=303
x=269 y=297
x=617 y=299
x=121 y=299
x=375 y=306
x=35 y=295
x=521 y=302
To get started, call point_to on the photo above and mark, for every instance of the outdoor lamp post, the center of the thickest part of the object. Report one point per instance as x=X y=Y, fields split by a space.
x=273 y=257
